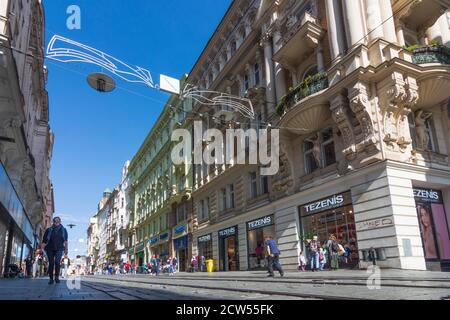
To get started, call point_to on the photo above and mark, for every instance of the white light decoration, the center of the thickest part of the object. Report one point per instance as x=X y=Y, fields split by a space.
x=214 y=98
x=66 y=51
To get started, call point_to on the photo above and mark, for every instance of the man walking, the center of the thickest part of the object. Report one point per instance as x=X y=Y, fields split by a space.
x=273 y=256
x=55 y=244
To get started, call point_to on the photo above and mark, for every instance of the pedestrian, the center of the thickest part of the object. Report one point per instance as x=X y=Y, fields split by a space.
x=175 y=264
x=29 y=266
x=55 y=244
x=302 y=262
x=170 y=266
x=273 y=256
x=37 y=262
x=194 y=263
x=65 y=262
x=127 y=267
x=333 y=247
x=322 y=258
x=313 y=246
x=259 y=250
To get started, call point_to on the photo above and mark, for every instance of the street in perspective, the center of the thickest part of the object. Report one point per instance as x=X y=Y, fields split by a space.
x=250 y=150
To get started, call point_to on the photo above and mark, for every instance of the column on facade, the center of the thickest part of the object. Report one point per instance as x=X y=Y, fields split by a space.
x=400 y=34
x=319 y=55
x=269 y=74
x=280 y=78
x=336 y=33
x=387 y=17
x=353 y=19
x=374 y=22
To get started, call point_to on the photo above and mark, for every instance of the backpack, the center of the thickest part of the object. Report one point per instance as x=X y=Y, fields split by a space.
x=335 y=246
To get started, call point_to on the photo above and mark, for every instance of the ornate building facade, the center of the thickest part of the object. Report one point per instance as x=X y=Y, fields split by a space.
x=160 y=193
x=360 y=92
x=26 y=141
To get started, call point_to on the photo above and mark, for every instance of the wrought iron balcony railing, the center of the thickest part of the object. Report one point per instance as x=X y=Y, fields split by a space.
x=306 y=88
x=431 y=54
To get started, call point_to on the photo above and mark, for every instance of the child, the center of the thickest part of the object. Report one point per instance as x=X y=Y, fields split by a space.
x=302 y=262
x=322 y=258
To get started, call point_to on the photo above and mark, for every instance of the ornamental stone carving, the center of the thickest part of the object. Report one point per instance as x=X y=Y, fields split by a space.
x=339 y=107
x=420 y=120
x=282 y=182
x=360 y=105
x=399 y=96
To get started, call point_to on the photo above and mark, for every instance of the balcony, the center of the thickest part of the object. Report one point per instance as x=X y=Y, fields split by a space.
x=419 y=15
x=434 y=78
x=309 y=86
x=304 y=109
x=300 y=41
x=431 y=54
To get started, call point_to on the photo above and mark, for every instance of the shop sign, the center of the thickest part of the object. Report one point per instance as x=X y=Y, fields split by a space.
x=427 y=195
x=164 y=236
x=140 y=247
x=153 y=240
x=335 y=201
x=260 y=223
x=205 y=238
x=374 y=224
x=227 y=232
x=179 y=230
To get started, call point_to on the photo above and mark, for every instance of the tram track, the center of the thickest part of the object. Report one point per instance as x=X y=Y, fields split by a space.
x=314 y=281
x=272 y=292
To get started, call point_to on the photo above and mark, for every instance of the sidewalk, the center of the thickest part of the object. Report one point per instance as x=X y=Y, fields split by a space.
x=39 y=289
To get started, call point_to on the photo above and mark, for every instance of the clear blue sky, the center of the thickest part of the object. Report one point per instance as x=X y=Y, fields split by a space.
x=96 y=133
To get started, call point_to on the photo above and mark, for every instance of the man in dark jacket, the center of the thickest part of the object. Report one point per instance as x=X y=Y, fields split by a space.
x=55 y=244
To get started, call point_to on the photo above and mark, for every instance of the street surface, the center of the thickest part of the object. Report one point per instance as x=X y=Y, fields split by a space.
x=394 y=284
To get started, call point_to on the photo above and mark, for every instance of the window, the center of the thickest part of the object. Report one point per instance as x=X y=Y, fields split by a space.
x=264 y=184
x=204 y=209
x=181 y=212
x=319 y=150
x=328 y=152
x=246 y=82
x=231 y=195
x=253 y=185
x=223 y=199
x=233 y=48
x=257 y=74
x=310 y=72
x=122 y=203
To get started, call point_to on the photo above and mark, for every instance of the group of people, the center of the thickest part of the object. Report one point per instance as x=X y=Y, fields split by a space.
x=329 y=253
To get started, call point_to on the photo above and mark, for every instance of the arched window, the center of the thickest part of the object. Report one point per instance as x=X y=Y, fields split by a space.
x=310 y=72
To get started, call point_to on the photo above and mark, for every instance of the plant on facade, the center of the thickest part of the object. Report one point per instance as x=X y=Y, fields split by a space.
x=435 y=52
x=310 y=85
x=306 y=236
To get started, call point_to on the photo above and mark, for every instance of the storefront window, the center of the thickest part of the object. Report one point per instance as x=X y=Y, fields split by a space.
x=205 y=246
x=332 y=215
x=257 y=230
x=228 y=249
x=433 y=224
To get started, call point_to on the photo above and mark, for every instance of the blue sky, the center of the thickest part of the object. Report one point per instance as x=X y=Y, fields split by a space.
x=96 y=133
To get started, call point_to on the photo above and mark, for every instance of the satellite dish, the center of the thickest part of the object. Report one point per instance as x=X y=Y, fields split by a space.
x=101 y=82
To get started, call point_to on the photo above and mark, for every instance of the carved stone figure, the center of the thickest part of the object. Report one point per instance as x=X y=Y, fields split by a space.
x=421 y=118
x=317 y=150
x=291 y=21
x=342 y=120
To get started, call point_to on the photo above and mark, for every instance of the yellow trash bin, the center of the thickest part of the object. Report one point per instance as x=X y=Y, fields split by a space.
x=210 y=265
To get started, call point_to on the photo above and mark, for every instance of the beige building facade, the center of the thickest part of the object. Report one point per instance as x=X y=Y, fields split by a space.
x=360 y=93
